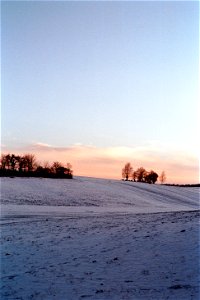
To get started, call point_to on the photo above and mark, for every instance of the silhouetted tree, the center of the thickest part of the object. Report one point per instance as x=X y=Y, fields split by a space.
x=141 y=174
x=162 y=177
x=13 y=161
x=30 y=162
x=14 y=165
x=56 y=166
x=60 y=171
x=151 y=177
x=46 y=165
x=39 y=171
x=18 y=159
x=127 y=171
x=3 y=161
x=21 y=163
x=8 y=165
x=134 y=176
x=46 y=168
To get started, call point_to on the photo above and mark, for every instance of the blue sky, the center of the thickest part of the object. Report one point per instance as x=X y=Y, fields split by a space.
x=103 y=74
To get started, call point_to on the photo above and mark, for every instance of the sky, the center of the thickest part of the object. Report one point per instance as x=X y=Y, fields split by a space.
x=98 y=84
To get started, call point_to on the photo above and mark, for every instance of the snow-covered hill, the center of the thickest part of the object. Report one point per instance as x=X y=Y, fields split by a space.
x=84 y=194
x=98 y=239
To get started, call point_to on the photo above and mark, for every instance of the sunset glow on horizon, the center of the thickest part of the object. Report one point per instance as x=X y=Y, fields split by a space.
x=99 y=84
x=180 y=167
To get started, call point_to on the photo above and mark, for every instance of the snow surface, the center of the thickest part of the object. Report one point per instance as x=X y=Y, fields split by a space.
x=90 y=238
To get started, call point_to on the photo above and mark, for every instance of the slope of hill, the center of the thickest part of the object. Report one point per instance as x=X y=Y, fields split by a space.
x=98 y=239
x=95 y=195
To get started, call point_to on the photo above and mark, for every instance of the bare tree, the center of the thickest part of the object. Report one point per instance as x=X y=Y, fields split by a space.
x=46 y=165
x=13 y=161
x=162 y=177
x=56 y=166
x=15 y=165
x=30 y=162
x=8 y=165
x=134 y=176
x=21 y=164
x=3 y=161
x=127 y=171
x=141 y=174
x=60 y=171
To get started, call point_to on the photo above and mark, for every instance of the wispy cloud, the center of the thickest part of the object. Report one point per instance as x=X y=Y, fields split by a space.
x=180 y=166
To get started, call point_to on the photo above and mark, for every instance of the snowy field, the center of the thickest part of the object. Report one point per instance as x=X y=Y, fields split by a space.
x=101 y=239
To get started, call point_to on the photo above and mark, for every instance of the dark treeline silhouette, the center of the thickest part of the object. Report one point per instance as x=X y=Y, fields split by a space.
x=183 y=185
x=26 y=166
x=141 y=175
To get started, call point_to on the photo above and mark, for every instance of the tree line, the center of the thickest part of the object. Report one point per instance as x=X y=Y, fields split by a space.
x=141 y=175
x=26 y=166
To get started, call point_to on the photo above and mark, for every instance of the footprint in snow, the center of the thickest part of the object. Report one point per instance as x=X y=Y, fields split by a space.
x=179 y=286
x=99 y=291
